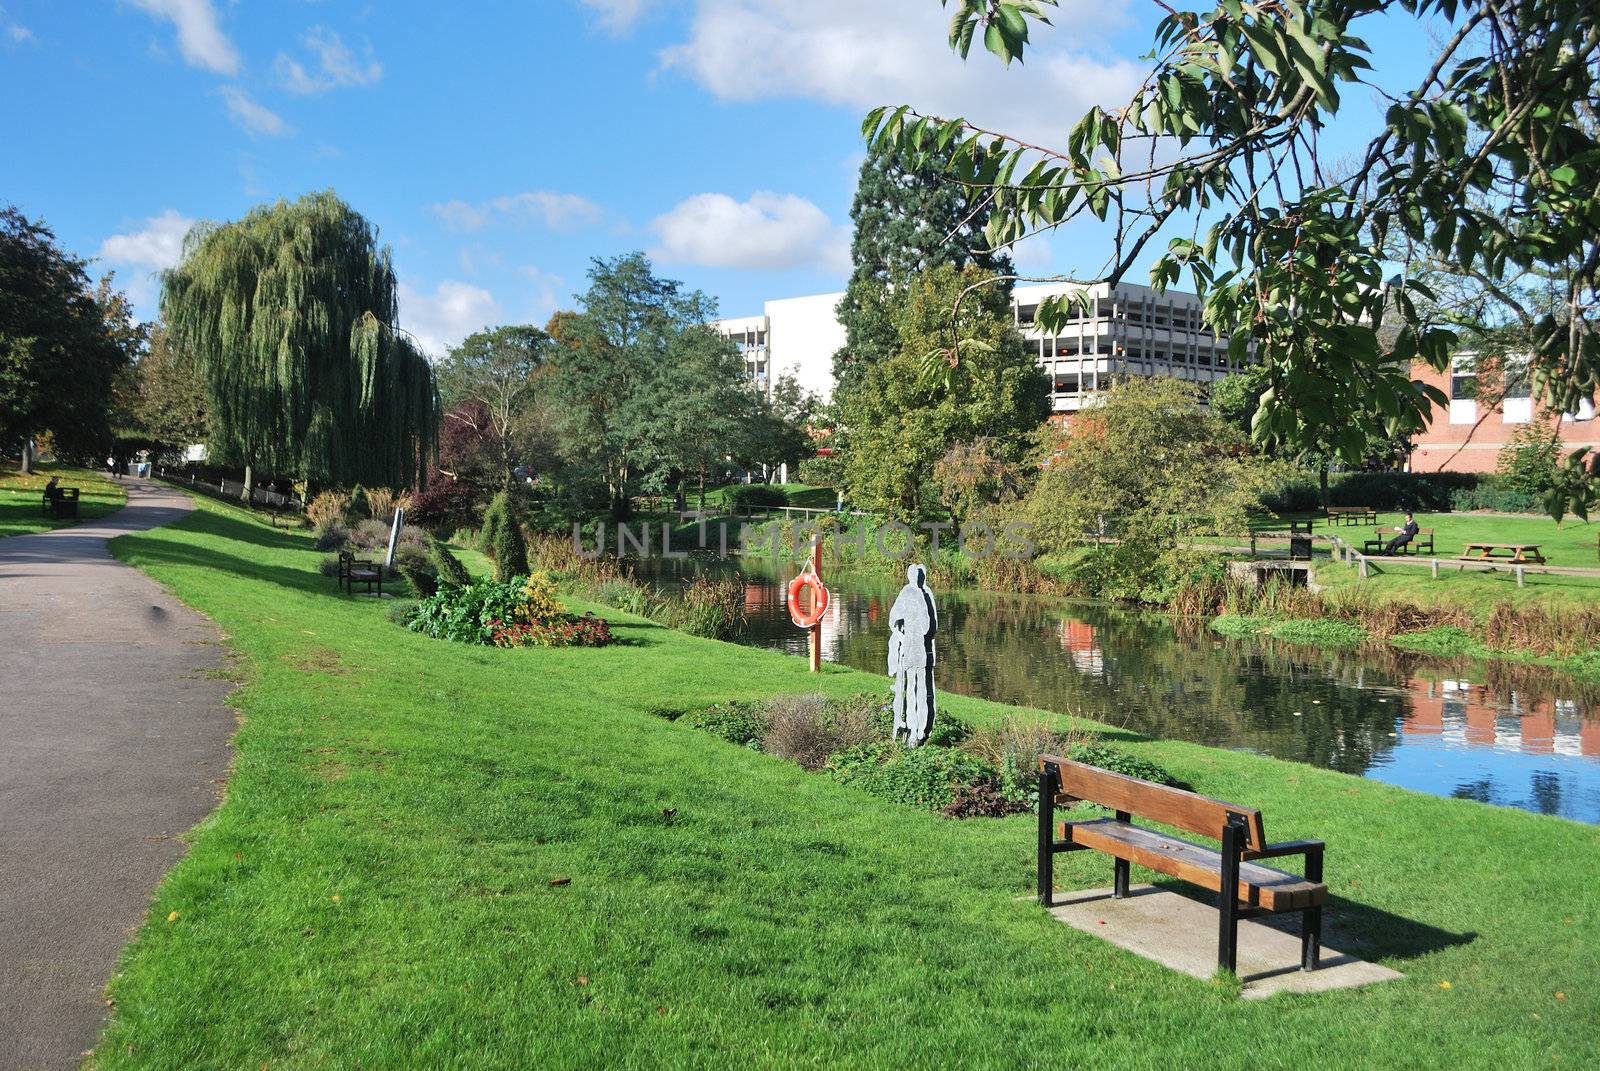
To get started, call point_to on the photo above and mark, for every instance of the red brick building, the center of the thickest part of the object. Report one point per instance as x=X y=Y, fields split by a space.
x=1467 y=434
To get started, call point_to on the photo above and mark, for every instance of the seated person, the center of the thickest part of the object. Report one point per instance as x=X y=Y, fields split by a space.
x=50 y=489
x=1407 y=534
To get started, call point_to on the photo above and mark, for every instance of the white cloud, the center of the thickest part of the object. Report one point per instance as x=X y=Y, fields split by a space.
x=618 y=16
x=769 y=232
x=156 y=245
x=335 y=66
x=14 y=31
x=452 y=312
x=894 y=52
x=559 y=211
x=200 y=38
x=548 y=291
x=251 y=117
x=1032 y=255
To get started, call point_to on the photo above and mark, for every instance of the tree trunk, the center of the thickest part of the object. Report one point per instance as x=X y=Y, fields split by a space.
x=1322 y=482
x=27 y=456
x=702 y=506
x=249 y=475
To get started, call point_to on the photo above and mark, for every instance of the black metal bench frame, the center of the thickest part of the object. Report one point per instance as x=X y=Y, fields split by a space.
x=61 y=504
x=1236 y=835
x=1423 y=538
x=354 y=570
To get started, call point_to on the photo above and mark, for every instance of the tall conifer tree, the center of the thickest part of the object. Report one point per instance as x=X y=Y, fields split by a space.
x=907 y=220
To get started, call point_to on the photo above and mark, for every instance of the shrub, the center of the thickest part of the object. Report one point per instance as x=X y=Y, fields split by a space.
x=806 y=729
x=332 y=535
x=400 y=610
x=424 y=582
x=447 y=567
x=360 y=506
x=627 y=595
x=327 y=507
x=755 y=496
x=928 y=776
x=539 y=602
x=1013 y=748
x=380 y=504
x=1427 y=492
x=560 y=631
x=501 y=613
x=370 y=535
x=739 y=722
x=709 y=607
x=1118 y=761
x=1494 y=497
x=1530 y=462
x=503 y=539
x=948 y=730
x=982 y=800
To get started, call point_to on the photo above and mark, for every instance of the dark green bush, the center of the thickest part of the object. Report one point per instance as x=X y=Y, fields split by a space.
x=738 y=722
x=465 y=614
x=359 y=508
x=503 y=539
x=447 y=567
x=1427 y=492
x=1118 y=761
x=1492 y=495
x=927 y=776
x=756 y=496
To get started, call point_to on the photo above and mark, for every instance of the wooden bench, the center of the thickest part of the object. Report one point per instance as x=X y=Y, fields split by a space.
x=354 y=570
x=1352 y=515
x=1420 y=543
x=61 y=503
x=1256 y=890
x=1519 y=553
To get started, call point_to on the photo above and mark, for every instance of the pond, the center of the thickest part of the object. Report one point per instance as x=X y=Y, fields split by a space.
x=1502 y=734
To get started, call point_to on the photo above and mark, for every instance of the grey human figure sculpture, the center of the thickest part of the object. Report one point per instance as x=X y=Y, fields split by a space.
x=913 y=621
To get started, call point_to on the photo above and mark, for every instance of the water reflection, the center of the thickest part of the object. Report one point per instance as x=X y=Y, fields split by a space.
x=1509 y=735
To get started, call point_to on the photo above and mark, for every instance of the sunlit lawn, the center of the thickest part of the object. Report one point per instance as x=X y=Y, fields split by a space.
x=440 y=855
x=22 y=496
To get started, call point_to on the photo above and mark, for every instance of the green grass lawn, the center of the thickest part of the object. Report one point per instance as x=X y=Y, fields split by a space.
x=378 y=890
x=21 y=496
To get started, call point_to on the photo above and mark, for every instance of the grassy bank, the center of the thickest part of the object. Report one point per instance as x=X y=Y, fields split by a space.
x=21 y=496
x=433 y=854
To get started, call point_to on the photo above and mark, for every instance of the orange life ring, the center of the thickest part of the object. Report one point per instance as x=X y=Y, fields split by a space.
x=819 y=598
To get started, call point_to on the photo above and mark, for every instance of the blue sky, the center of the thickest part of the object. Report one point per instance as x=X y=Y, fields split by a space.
x=499 y=145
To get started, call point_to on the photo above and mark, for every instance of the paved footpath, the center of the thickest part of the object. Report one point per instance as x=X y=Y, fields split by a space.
x=113 y=742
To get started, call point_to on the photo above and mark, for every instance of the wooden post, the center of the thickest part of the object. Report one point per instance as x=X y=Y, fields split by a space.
x=816 y=630
x=1435 y=565
x=1363 y=567
x=1519 y=577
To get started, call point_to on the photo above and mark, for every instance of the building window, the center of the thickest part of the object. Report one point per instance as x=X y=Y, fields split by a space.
x=1463 y=379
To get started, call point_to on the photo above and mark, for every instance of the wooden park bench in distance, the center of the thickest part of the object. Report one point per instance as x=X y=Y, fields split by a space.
x=1244 y=888
x=354 y=570
x=1517 y=553
x=1421 y=543
x=1351 y=515
x=61 y=503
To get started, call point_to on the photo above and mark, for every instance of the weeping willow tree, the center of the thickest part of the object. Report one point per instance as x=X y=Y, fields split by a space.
x=290 y=313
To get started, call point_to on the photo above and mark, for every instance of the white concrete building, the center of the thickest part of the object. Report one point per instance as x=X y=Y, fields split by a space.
x=793 y=336
x=1127 y=330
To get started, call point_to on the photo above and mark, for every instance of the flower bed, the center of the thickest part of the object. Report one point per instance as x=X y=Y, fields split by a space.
x=961 y=771
x=521 y=612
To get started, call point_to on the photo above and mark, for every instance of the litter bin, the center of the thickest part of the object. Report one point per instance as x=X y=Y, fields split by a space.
x=1299 y=541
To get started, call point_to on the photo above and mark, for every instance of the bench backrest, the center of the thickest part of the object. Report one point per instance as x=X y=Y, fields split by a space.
x=1188 y=811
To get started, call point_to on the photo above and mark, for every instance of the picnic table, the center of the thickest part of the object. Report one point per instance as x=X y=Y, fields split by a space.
x=1351 y=515
x=1516 y=553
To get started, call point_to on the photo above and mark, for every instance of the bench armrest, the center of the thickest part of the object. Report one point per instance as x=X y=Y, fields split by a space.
x=1288 y=847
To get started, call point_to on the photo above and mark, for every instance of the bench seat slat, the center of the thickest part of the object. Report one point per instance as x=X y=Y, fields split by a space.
x=1259 y=886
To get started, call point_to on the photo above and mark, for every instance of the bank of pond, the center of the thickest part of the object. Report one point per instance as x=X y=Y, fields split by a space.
x=1499 y=732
